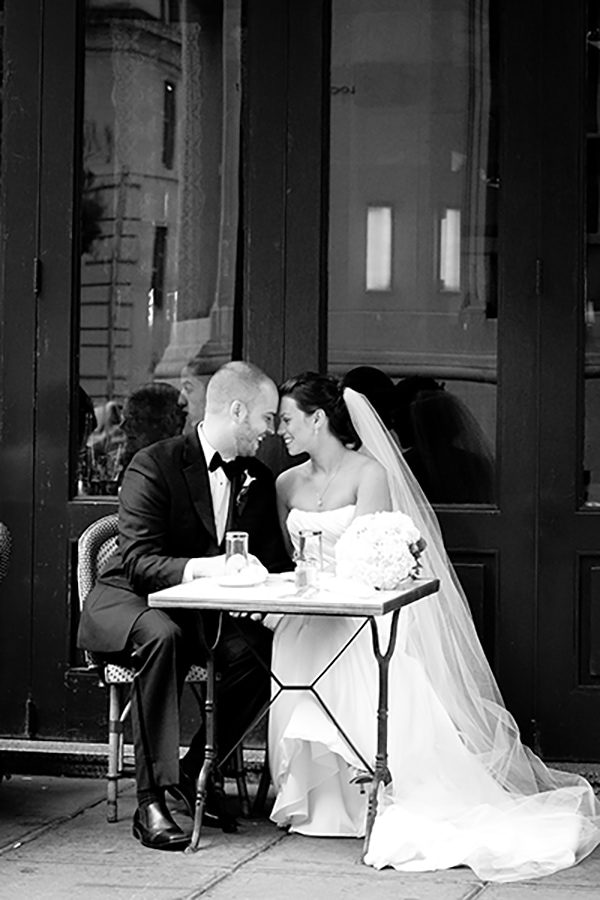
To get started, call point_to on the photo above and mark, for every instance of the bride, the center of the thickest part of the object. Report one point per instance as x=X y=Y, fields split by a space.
x=464 y=790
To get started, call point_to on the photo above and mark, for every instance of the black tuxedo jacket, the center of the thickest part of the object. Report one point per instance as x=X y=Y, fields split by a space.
x=165 y=518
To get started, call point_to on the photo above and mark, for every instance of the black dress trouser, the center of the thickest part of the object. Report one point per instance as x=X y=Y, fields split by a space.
x=163 y=645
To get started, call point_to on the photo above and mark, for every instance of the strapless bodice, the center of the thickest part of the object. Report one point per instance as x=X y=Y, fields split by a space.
x=330 y=522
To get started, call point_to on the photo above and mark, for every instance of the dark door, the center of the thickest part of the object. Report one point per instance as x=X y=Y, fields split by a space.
x=145 y=220
x=568 y=619
x=21 y=37
x=432 y=235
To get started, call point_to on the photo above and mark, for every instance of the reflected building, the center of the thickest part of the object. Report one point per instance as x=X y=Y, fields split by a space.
x=160 y=157
x=413 y=194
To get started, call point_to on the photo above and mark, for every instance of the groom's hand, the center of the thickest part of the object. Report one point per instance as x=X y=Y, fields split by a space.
x=204 y=566
x=214 y=567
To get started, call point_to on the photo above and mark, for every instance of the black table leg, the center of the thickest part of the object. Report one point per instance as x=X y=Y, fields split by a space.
x=382 y=774
x=210 y=754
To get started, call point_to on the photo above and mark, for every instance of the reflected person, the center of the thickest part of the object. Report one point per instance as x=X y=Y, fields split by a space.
x=377 y=387
x=151 y=413
x=192 y=396
x=443 y=443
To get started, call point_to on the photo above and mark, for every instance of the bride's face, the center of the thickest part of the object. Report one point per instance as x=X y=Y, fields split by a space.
x=296 y=428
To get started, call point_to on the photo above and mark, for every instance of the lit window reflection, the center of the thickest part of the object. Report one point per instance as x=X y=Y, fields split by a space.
x=450 y=250
x=379 y=248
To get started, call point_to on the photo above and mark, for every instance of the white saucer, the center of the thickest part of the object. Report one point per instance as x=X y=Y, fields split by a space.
x=249 y=577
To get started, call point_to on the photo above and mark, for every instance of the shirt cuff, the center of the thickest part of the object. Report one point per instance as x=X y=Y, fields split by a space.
x=203 y=566
x=188 y=571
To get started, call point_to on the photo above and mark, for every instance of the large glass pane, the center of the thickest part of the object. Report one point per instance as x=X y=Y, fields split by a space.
x=159 y=214
x=591 y=330
x=413 y=228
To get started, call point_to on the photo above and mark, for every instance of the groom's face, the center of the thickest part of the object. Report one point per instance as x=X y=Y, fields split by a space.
x=258 y=422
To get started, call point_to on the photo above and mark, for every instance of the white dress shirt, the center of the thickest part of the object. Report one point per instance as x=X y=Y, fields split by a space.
x=220 y=486
x=220 y=491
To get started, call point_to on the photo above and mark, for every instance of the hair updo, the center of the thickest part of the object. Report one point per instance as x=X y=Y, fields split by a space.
x=312 y=391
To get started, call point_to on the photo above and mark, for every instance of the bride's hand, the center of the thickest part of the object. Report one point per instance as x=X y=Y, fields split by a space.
x=255 y=616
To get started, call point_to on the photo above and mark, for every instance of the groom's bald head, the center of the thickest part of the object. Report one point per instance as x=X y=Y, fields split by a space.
x=241 y=405
x=235 y=381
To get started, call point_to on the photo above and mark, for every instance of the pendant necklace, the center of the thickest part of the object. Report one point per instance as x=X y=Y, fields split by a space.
x=328 y=484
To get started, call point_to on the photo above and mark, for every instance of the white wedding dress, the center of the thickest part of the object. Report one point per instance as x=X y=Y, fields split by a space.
x=311 y=764
x=444 y=807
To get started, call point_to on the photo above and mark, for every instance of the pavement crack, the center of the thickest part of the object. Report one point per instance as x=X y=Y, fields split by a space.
x=477 y=891
x=35 y=833
x=242 y=862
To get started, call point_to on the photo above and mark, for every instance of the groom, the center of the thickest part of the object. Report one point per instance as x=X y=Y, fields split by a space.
x=177 y=499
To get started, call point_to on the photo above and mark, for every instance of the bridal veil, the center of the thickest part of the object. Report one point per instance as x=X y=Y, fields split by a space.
x=440 y=633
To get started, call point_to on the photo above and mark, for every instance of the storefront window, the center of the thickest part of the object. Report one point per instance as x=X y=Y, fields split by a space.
x=159 y=211
x=414 y=190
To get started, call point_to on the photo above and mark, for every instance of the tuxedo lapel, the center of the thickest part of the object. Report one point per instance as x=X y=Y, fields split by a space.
x=195 y=472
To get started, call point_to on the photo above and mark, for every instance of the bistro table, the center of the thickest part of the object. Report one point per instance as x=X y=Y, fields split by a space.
x=278 y=594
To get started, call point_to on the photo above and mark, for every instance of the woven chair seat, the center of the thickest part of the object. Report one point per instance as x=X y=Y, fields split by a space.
x=113 y=674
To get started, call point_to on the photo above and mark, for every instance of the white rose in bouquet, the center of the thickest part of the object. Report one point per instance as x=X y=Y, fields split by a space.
x=380 y=549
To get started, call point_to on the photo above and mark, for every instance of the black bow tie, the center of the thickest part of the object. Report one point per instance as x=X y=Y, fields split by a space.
x=231 y=468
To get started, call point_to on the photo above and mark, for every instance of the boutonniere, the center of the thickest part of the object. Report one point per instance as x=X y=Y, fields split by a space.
x=246 y=485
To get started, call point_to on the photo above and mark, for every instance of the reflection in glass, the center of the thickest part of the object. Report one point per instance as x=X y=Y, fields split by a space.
x=450 y=250
x=443 y=442
x=159 y=206
x=151 y=413
x=379 y=248
x=590 y=492
x=414 y=129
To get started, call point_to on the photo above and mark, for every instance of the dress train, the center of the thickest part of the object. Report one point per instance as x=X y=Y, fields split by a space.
x=443 y=808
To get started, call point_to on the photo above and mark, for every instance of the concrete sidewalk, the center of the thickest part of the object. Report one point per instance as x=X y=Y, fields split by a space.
x=55 y=844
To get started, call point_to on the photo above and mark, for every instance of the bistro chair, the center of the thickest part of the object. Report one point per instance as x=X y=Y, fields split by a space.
x=97 y=543
x=5 y=548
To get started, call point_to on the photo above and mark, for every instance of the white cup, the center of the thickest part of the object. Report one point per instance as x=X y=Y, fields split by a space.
x=236 y=551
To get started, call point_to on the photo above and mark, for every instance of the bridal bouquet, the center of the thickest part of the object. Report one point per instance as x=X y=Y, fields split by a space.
x=380 y=549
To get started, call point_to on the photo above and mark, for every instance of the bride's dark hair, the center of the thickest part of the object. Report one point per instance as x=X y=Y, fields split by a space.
x=312 y=391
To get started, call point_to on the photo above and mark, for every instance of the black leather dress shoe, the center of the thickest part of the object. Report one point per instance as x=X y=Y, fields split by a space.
x=154 y=827
x=214 y=814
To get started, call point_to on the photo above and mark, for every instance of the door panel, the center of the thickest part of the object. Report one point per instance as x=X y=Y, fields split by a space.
x=568 y=647
x=53 y=606
x=19 y=310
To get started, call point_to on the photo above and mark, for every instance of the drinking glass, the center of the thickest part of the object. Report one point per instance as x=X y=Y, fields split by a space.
x=236 y=551
x=308 y=559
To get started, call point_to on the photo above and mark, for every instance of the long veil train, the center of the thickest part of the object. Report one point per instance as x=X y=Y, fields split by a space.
x=442 y=636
